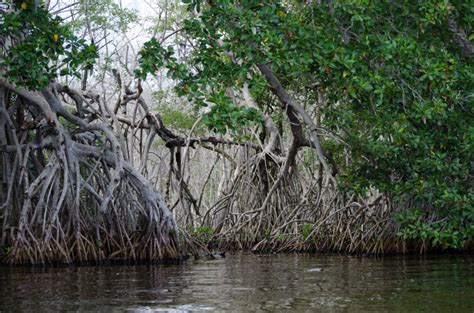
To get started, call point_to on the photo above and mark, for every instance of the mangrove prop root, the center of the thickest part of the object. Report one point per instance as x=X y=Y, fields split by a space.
x=68 y=193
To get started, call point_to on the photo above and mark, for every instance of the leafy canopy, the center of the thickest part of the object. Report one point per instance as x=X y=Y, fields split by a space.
x=399 y=91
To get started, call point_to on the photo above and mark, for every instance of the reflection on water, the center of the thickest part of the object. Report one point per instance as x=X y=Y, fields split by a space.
x=246 y=282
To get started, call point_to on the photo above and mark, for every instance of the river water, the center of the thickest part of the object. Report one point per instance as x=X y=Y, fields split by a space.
x=246 y=282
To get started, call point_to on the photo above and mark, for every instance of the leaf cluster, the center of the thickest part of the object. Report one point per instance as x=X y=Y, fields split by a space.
x=38 y=47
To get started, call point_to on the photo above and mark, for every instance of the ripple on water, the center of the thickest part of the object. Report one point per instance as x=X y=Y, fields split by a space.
x=178 y=309
x=246 y=282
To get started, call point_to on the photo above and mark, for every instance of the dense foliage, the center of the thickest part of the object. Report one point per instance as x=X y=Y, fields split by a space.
x=404 y=95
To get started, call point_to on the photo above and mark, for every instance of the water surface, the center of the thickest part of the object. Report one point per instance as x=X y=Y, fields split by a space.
x=245 y=282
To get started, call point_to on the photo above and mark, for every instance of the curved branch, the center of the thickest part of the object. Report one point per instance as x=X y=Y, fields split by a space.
x=287 y=101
